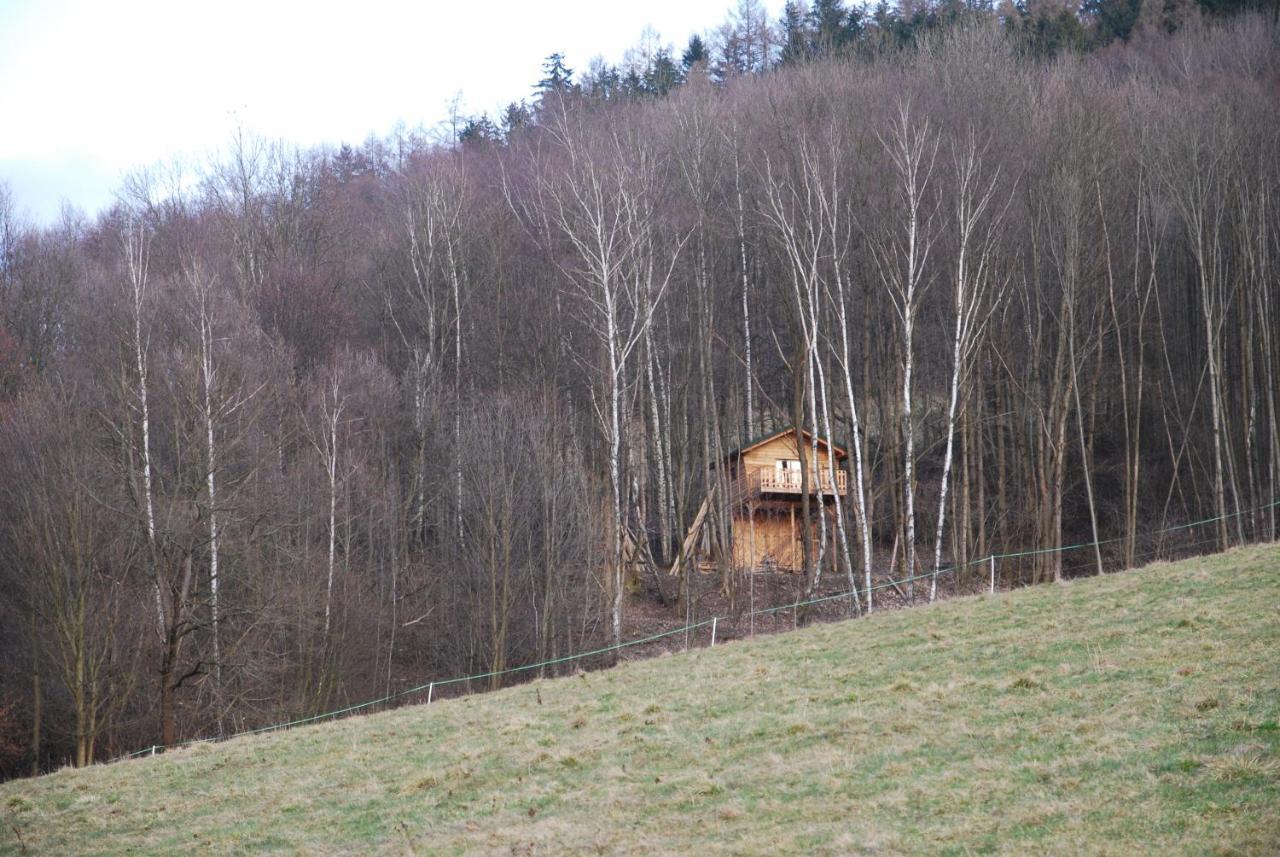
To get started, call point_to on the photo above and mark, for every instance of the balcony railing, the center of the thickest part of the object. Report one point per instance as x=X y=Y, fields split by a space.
x=772 y=481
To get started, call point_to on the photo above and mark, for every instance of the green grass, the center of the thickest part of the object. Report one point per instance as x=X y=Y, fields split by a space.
x=1135 y=713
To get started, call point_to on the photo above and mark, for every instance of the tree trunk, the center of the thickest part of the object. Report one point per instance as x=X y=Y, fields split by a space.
x=37 y=695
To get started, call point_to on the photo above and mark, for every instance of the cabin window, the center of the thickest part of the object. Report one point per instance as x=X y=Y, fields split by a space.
x=789 y=464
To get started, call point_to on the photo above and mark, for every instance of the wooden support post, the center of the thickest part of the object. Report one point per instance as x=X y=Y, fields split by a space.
x=692 y=535
x=794 y=536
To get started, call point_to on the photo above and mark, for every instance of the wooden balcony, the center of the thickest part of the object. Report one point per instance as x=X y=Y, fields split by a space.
x=767 y=481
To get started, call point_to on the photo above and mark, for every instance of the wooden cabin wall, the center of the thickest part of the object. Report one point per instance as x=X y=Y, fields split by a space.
x=767 y=455
x=769 y=537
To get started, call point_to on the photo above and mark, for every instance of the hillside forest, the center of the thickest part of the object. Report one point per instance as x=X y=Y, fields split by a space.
x=297 y=428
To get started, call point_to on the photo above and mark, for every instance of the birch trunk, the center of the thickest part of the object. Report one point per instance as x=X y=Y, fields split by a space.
x=901 y=255
x=976 y=232
x=749 y=387
x=207 y=382
x=137 y=256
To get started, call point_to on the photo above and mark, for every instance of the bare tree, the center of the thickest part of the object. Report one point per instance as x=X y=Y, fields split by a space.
x=901 y=252
x=601 y=205
x=976 y=222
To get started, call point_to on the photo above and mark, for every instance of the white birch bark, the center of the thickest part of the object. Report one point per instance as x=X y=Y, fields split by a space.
x=211 y=468
x=137 y=257
x=974 y=197
x=601 y=205
x=326 y=442
x=749 y=388
x=901 y=256
x=839 y=240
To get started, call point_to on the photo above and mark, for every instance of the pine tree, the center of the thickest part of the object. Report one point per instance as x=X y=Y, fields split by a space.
x=1045 y=28
x=834 y=26
x=556 y=83
x=632 y=84
x=695 y=53
x=557 y=77
x=514 y=117
x=602 y=82
x=795 y=33
x=1112 y=19
x=663 y=75
x=479 y=130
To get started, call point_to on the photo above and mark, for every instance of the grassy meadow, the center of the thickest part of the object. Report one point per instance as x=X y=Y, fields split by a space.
x=1134 y=713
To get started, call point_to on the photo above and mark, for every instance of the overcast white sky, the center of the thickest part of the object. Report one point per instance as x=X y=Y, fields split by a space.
x=91 y=90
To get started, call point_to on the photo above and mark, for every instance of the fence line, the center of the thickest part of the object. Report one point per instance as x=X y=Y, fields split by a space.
x=430 y=686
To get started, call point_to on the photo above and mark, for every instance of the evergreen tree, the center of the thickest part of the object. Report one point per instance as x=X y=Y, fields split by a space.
x=892 y=28
x=602 y=82
x=345 y=163
x=796 y=37
x=556 y=76
x=632 y=84
x=1112 y=19
x=834 y=27
x=1045 y=29
x=663 y=75
x=695 y=53
x=1168 y=16
x=479 y=130
x=556 y=83
x=514 y=117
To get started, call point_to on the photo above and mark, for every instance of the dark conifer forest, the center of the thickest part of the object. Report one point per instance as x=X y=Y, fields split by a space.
x=294 y=429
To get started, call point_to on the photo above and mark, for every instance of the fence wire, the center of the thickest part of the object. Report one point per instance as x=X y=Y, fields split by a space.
x=858 y=593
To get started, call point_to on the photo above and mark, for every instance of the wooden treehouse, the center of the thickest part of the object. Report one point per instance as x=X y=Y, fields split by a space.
x=765 y=488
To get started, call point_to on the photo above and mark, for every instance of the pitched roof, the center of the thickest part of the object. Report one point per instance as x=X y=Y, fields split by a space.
x=763 y=439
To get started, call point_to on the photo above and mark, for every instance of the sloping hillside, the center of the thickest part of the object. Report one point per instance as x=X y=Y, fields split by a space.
x=1136 y=712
